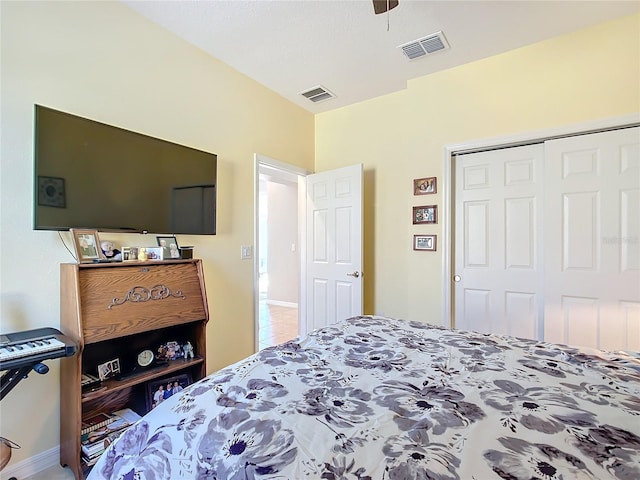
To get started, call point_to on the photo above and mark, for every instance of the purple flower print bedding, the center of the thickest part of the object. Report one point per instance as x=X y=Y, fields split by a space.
x=375 y=398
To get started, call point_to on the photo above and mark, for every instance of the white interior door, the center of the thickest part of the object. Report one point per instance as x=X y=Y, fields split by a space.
x=547 y=240
x=333 y=246
x=592 y=281
x=497 y=256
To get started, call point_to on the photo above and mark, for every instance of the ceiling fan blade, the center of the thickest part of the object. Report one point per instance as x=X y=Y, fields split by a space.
x=380 y=6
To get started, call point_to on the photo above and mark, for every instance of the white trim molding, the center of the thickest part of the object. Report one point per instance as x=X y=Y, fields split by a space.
x=34 y=465
x=279 y=303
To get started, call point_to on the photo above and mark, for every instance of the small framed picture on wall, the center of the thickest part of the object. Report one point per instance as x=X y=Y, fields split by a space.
x=425 y=186
x=425 y=214
x=425 y=242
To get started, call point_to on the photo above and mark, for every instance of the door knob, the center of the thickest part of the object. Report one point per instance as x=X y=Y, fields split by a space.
x=355 y=274
x=457 y=278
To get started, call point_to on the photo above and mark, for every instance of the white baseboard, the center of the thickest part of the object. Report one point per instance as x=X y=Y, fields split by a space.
x=33 y=465
x=281 y=304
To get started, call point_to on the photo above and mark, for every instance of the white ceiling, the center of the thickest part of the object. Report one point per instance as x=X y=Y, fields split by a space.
x=292 y=46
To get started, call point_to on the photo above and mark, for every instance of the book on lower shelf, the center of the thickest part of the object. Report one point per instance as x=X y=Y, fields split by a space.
x=123 y=418
x=90 y=461
x=93 y=451
x=95 y=422
x=96 y=441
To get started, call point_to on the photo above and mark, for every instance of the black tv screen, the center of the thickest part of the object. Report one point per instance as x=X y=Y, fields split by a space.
x=92 y=175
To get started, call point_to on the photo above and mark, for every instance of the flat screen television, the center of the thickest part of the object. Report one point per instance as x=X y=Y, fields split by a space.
x=93 y=175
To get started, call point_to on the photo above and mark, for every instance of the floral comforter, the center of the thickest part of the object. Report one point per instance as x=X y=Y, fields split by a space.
x=380 y=398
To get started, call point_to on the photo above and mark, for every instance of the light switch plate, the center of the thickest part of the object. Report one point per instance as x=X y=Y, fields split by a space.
x=246 y=252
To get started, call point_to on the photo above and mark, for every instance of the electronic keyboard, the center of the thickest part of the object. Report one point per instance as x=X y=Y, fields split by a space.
x=29 y=347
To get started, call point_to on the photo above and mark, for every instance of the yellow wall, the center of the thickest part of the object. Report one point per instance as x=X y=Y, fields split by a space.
x=102 y=61
x=591 y=74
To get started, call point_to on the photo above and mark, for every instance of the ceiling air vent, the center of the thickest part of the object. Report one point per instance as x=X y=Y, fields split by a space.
x=317 y=94
x=425 y=46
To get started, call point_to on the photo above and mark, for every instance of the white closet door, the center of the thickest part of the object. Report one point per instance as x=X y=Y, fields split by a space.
x=498 y=240
x=592 y=240
x=547 y=240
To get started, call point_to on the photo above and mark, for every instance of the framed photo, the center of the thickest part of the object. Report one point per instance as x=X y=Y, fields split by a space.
x=155 y=253
x=108 y=369
x=51 y=192
x=170 y=247
x=425 y=186
x=129 y=254
x=87 y=245
x=425 y=242
x=425 y=214
x=160 y=390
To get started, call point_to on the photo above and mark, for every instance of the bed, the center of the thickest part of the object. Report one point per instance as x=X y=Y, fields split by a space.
x=380 y=398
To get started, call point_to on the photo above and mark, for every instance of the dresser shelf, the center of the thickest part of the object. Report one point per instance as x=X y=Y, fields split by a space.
x=112 y=385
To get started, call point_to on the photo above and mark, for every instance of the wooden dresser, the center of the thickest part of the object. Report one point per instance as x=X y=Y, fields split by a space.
x=115 y=311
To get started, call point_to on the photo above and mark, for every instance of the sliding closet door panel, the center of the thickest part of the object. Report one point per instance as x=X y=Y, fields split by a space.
x=497 y=241
x=592 y=246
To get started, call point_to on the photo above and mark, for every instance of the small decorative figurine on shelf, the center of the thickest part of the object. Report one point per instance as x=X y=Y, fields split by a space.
x=162 y=354
x=188 y=350
x=110 y=251
x=142 y=254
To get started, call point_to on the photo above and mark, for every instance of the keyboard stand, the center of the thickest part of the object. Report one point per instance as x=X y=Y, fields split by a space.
x=10 y=379
x=13 y=376
x=16 y=369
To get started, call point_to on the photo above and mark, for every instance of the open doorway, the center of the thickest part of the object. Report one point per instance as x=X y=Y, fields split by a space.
x=277 y=253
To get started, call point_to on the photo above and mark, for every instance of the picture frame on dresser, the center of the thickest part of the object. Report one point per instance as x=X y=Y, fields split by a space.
x=155 y=253
x=108 y=369
x=163 y=388
x=87 y=245
x=170 y=247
